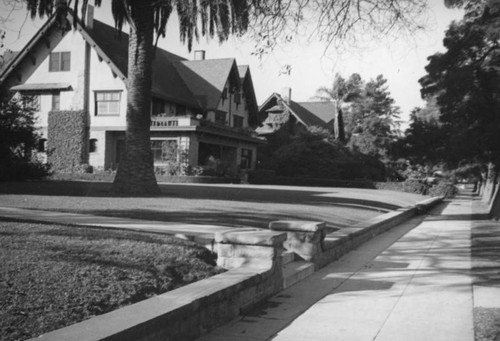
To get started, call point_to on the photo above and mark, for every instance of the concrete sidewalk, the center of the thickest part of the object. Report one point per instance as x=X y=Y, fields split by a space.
x=411 y=283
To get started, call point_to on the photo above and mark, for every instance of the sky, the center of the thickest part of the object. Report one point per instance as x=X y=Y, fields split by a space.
x=399 y=59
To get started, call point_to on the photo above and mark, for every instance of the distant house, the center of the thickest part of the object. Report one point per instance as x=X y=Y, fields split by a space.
x=206 y=108
x=281 y=119
x=280 y=115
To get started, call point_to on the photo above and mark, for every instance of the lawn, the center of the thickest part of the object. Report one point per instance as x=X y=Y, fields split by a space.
x=53 y=276
x=221 y=205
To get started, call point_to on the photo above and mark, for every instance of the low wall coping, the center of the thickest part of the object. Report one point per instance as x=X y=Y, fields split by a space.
x=256 y=237
x=297 y=225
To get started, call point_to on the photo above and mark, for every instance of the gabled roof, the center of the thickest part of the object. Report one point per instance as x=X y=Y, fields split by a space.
x=305 y=115
x=167 y=83
x=196 y=84
x=207 y=78
x=324 y=110
x=18 y=57
x=308 y=113
x=247 y=84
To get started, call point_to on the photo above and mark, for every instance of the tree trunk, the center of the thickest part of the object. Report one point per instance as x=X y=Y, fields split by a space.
x=135 y=174
x=491 y=181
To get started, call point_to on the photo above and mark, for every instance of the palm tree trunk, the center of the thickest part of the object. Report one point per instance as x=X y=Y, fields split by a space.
x=135 y=174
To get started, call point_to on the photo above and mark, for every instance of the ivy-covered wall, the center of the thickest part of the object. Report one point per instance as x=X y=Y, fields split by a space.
x=67 y=140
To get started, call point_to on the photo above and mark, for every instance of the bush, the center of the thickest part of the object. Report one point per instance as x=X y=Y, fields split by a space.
x=18 y=141
x=22 y=170
x=311 y=156
x=416 y=186
x=443 y=188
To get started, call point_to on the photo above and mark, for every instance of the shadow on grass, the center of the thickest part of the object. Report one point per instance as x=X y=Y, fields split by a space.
x=219 y=217
x=242 y=194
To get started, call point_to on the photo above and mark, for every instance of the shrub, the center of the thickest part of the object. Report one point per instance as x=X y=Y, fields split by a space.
x=443 y=188
x=18 y=141
x=416 y=186
x=22 y=170
x=67 y=140
x=311 y=156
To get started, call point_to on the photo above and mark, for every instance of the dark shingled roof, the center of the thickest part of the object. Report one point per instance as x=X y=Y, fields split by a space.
x=206 y=78
x=195 y=84
x=306 y=116
x=167 y=83
x=321 y=114
x=324 y=110
x=41 y=87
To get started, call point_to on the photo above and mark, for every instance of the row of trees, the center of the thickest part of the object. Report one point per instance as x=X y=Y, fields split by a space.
x=460 y=124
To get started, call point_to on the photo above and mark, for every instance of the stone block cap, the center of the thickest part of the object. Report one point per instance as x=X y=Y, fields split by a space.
x=251 y=237
x=297 y=225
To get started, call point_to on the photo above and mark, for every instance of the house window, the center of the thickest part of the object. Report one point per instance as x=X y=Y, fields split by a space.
x=157 y=107
x=237 y=98
x=180 y=110
x=42 y=145
x=59 y=61
x=92 y=145
x=223 y=95
x=237 y=121
x=107 y=103
x=246 y=159
x=220 y=117
x=56 y=101
x=164 y=150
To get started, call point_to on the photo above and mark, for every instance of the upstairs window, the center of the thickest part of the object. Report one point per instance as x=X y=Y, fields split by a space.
x=237 y=121
x=107 y=103
x=220 y=118
x=237 y=98
x=180 y=110
x=59 y=61
x=157 y=106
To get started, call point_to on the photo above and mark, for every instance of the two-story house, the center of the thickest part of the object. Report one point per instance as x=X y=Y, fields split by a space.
x=206 y=108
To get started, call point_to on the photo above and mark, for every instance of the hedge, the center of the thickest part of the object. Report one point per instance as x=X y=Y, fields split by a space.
x=67 y=140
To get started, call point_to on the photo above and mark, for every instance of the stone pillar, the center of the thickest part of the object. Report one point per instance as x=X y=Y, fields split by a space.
x=250 y=248
x=305 y=238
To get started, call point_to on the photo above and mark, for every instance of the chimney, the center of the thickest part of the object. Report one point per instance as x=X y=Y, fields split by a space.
x=286 y=94
x=89 y=16
x=199 y=55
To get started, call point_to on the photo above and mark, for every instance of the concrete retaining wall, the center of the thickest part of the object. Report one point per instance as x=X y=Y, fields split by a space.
x=193 y=310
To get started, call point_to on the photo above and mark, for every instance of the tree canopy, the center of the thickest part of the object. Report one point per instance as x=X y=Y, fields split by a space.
x=370 y=113
x=465 y=80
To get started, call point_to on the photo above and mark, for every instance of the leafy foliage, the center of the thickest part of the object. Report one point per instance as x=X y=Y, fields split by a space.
x=369 y=112
x=67 y=141
x=466 y=83
x=425 y=140
x=18 y=141
x=316 y=154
